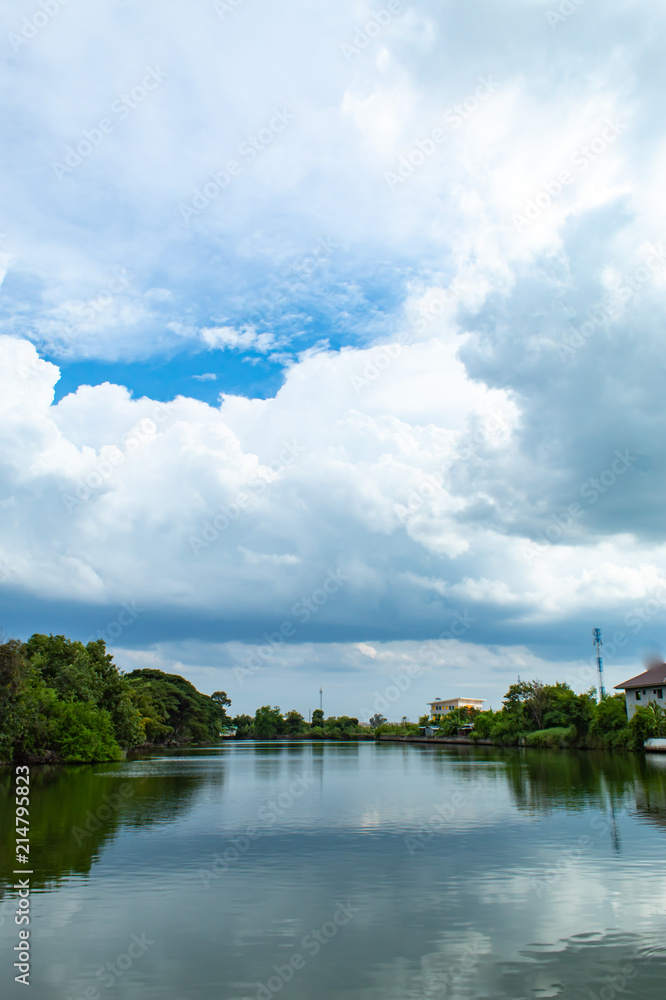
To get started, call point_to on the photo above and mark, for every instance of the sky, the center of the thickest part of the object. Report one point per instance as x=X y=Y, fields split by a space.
x=331 y=342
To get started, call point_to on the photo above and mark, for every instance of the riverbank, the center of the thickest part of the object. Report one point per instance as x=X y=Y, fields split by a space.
x=651 y=746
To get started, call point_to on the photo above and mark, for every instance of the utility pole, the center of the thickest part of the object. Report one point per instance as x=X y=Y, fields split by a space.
x=596 y=632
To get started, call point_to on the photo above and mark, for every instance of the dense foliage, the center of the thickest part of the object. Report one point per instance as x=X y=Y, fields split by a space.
x=63 y=701
x=269 y=723
x=552 y=715
x=172 y=710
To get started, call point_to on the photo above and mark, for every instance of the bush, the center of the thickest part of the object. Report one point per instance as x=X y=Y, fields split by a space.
x=609 y=718
x=483 y=723
x=505 y=731
x=85 y=734
x=621 y=739
x=646 y=723
x=556 y=736
x=77 y=732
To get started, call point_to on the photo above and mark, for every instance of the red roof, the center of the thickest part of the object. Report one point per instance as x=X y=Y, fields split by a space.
x=649 y=678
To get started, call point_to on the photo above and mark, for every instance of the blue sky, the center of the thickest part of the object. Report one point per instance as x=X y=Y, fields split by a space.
x=368 y=293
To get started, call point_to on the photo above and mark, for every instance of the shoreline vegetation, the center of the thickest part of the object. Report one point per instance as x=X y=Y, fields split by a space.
x=63 y=702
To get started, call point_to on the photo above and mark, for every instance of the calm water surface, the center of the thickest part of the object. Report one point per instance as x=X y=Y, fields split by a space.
x=363 y=871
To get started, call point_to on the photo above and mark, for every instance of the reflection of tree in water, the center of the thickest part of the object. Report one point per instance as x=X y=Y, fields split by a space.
x=549 y=780
x=651 y=794
x=546 y=781
x=76 y=811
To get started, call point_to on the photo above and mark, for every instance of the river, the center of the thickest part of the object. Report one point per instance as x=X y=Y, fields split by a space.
x=317 y=871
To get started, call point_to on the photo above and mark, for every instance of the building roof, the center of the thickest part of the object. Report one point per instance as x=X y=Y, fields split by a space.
x=655 y=675
x=443 y=701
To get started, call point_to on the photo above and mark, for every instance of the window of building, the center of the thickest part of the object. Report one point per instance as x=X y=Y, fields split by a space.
x=660 y=692
x=638 y=696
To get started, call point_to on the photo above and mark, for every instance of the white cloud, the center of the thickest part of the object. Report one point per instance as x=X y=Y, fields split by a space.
x=420 y=465
x=249 y=507
x=247 y=339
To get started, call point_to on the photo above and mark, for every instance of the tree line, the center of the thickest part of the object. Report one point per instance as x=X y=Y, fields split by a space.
x=552 y=715
x=63 y=701
x=270 y=723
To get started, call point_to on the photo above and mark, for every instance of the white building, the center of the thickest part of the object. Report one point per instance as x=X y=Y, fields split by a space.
x=441 y=706
x=644 y=688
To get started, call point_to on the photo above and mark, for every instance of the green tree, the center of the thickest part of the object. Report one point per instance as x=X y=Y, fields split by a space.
x=608 y=720
x=13 y=682
x=294 y=723
x=173 y=709
x=87 y=674
x=244 y=726
x=268 y=722
x=484 y=722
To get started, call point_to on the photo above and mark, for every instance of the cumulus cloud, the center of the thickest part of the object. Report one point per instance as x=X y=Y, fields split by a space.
x=345 y=503
x=455 y=249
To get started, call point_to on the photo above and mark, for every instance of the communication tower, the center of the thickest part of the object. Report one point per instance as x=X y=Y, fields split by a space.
x=596 y=632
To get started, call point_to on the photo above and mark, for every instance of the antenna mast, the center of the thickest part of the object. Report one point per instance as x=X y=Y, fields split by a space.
x=596 y=632
x=320 y=699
